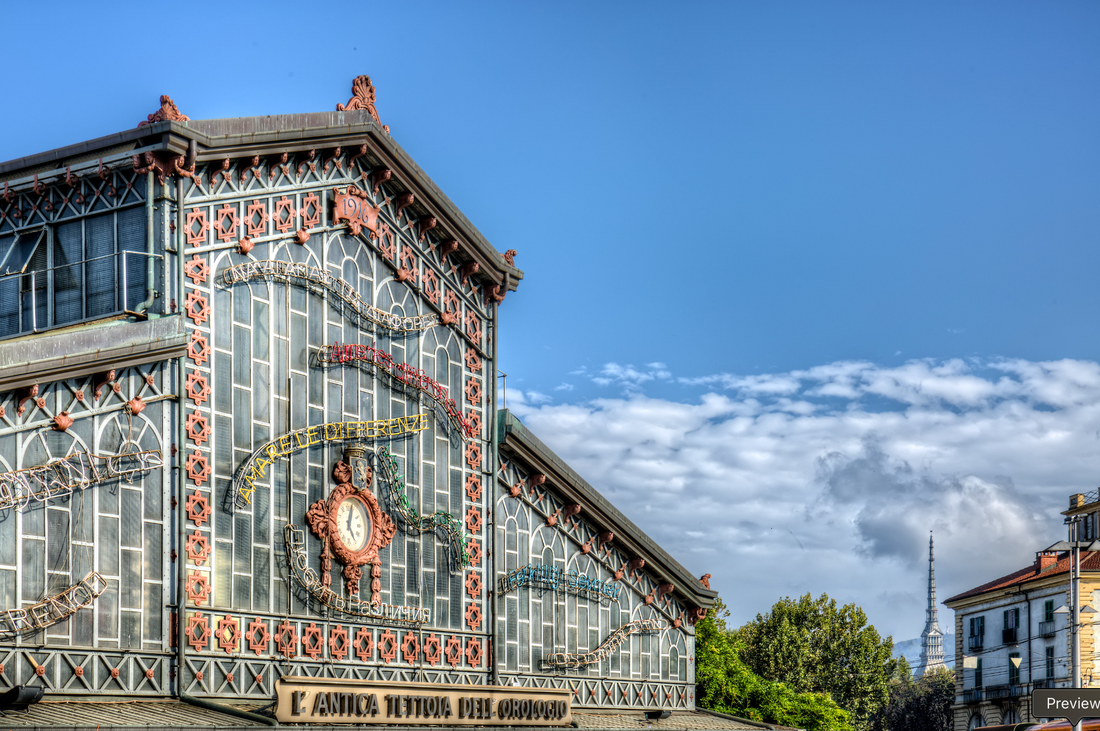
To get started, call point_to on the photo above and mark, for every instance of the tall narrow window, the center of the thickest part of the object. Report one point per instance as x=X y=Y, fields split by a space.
x=978 y=674
x=1048 y=610
x=1050 y=662
x=1014 y=668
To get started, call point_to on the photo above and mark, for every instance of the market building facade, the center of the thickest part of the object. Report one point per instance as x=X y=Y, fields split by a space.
x=250 y=446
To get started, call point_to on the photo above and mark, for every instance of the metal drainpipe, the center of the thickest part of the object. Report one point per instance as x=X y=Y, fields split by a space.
x=491 y=501
x=150 y=245
x=181 y=589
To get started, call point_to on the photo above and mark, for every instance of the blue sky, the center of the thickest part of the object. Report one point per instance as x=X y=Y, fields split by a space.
x=771 y=248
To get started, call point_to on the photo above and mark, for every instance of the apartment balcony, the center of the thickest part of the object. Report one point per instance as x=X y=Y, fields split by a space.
x=1046 y=629
x=1041 y=683
x=976 y=642
x=972 y=695
x=1008 y=636
x=996 y=692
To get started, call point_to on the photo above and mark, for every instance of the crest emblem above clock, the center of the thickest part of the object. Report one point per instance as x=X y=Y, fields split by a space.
x=351 y=525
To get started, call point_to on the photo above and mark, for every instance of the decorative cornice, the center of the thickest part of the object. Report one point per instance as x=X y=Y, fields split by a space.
x=362 y=97
x=168 y=112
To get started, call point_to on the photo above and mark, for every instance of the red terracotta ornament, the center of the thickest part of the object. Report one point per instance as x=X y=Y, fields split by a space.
x=364 y=644
x=475 y=552
x=509 y=256
x=226 y=222
x=467 y=270
x=493 y=294
x=410 y=263
x=313 y=642
x=311 y=211
x=79 y=671
x=473 y=326
x=474 y=420
x=431 y=286
x=286 y=639
x=473 y=360
x=604 y=538
x=114 y=671
x=454 y=650
x=284 y=215
x=99 y=381
x=473 y=486
x=197 y=587
x=198 y=389
x=473 y=616
x=432 y=649
x=705 y=581
x=402 y=202
x=387 y=242
x=363 y=97
x=198 y=309
x=196 y=269
x=198 y=467
x=301 y=236
x=197 y=632
x=338 y=642
x=387 y=646
x=473 y=585
x=695 y=614
x=664 y=590
x=473 y=391
x=379 y=176
x=451 y=306
x=446 y=248
x=473 y=652
x=229 y=677
x=517 y=489
x=198 y=427
x=245 y=245
x=198 y=350
x=62 y=421
x=258 y=636
x=168 y=112
x=473 y=455
x=198 y=507
x=426 y=224
x=198 y=548
x=196 y=227
x=135 y=406
x=473 y=520
x=198 y=676
x=410 y=648
x=229 y=634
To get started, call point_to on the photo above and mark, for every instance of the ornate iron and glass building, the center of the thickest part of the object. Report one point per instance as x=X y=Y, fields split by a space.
x=251 y=451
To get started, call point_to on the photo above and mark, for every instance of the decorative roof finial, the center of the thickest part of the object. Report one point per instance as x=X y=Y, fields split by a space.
x=168 y=112
x=362 y=97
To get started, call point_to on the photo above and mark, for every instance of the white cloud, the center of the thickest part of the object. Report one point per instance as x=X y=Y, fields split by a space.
x=794 y=482
x=628 y=377
x=564 y=387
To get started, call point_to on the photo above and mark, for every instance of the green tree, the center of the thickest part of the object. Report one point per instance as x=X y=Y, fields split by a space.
x=815 y=647
x=726 y=685
x=923 y=704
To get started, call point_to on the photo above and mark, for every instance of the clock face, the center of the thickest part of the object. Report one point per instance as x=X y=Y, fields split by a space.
x=353 y=523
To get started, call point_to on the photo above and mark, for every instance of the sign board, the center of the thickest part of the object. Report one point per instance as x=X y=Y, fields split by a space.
x=331 y=701
x=1069 y=703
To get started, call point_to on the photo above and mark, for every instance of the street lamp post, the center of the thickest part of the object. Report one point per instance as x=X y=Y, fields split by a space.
x=1075 y=593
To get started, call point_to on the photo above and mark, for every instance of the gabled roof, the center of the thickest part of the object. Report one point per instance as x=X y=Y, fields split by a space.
x=513 y=435
x=1090 y=561
x=213 y=140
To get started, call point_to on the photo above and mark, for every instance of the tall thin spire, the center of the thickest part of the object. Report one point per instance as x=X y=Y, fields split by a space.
x=931 y=639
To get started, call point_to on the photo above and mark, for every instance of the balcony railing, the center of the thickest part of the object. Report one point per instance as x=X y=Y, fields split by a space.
x=976 y=642
x=1046 y=629
x=994 y=692
x=1008 y=635
x=1047 y=682
x=972 y=695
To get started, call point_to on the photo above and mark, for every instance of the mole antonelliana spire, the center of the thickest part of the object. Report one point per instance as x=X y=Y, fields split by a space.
x=931 y=639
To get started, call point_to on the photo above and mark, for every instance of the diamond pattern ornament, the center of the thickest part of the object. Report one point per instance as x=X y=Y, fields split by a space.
x=431 y=286
x=197 y=631
x=198 y=508
x=473 y=455
x=451 y=307
x=454 y=650
x=196 y=269
x=198 y=427
x=198 y=309
x=387 y=646
x=364 y=644
x=473 y=520
x=475 y=552
x=255 y=219
x=473 y=617
x=473 y=360
x=473 y=585
x=473 y=326
x=196 y=227
x=473 y=486
x=432 y=649
x=198 y=548
x=338 y=642
x=198 y=349
x=197 y=587
x=313 y=642
x=198 y=388
x=226 y=222
x=198 y=468
x=311 y=211
x=229 y=634
x=284 y=215
x=474 y=652
x=474 y=420
x=258 y=636
x=286 y=639
x=410 y=648
x=473 y=391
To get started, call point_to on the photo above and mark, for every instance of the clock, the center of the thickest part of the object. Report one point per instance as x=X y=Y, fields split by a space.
x=353 y=523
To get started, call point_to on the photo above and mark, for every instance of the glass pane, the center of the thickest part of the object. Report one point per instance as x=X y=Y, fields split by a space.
x=102 y=290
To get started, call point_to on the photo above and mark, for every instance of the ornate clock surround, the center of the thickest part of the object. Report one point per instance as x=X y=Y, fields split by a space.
x=321 y=518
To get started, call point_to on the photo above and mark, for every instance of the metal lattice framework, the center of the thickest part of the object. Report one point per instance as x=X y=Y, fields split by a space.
x=413 y=520
x=309 y=276
x=573 y=661
x=54 y=609
x=63 y=476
